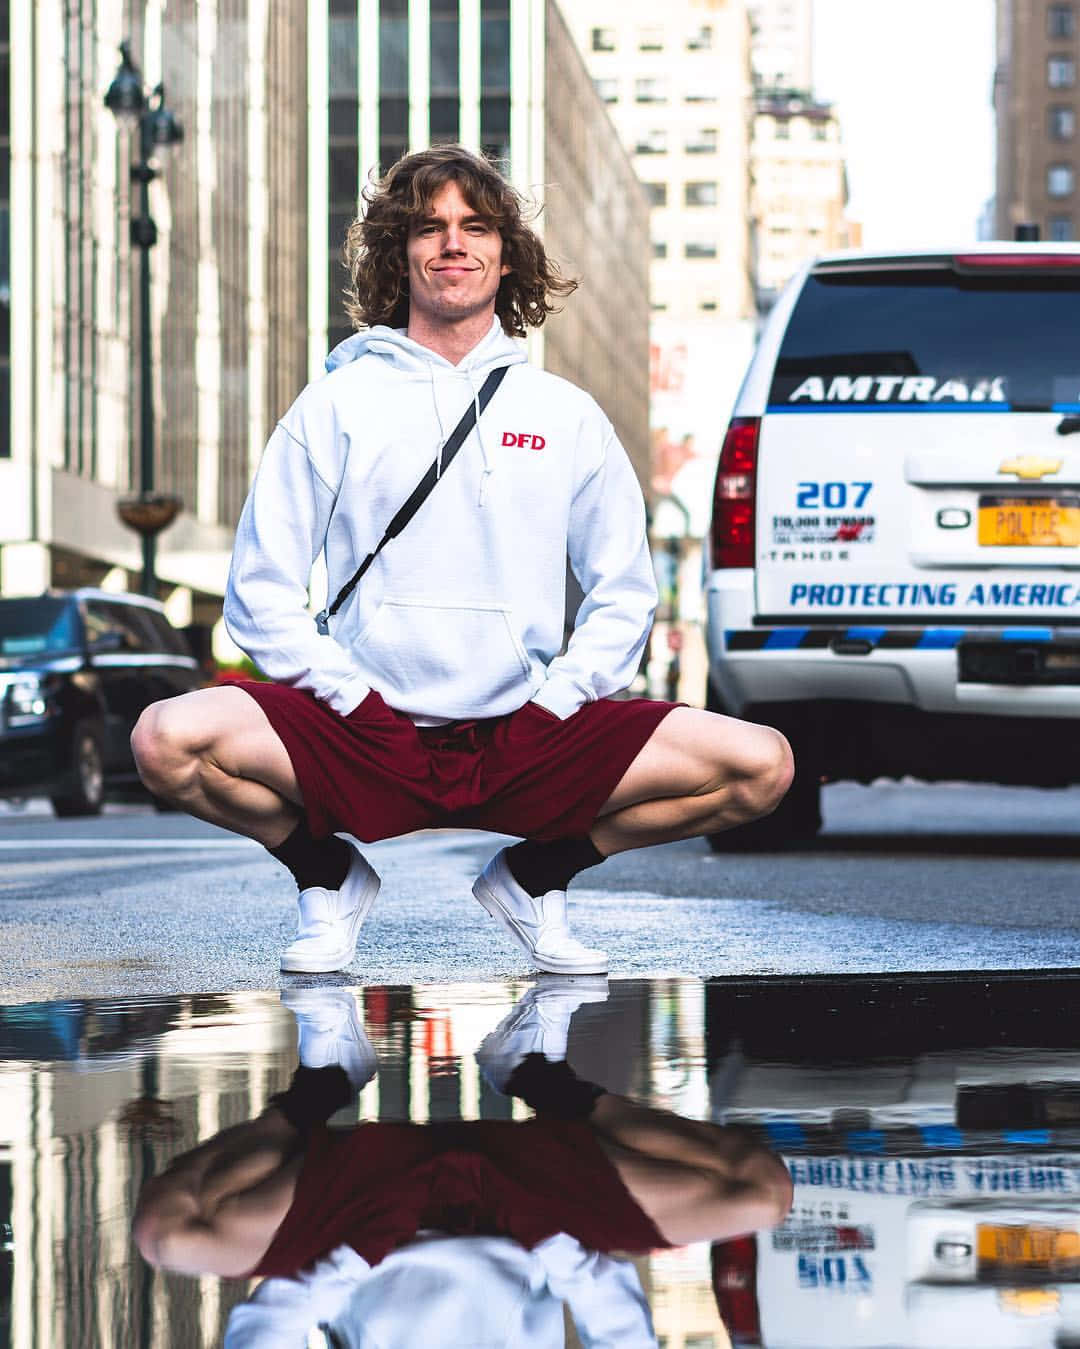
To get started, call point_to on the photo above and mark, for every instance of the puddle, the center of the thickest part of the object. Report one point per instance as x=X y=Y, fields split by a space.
x=931 y=1127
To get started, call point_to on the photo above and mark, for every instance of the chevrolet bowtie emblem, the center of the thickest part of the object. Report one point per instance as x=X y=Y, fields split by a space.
x=1030 y=466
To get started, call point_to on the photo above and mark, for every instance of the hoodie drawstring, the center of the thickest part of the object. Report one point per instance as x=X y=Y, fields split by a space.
x=438 y=418
x=487 y=470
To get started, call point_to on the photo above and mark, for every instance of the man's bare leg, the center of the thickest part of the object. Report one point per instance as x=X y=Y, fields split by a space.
x=214 y=754
x=215 y=1209
x=696 y=1181
x=699 y=773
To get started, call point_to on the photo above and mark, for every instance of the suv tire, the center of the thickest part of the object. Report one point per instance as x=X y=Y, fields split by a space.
x=87 y=795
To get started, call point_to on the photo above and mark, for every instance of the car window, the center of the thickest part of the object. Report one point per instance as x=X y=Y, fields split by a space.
x=29 y=627
x=933 y=336
x=164 y=636
x=104 y=618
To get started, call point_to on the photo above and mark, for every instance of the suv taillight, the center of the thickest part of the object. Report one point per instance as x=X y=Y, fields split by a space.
x=732 y=532
x=734 y=1281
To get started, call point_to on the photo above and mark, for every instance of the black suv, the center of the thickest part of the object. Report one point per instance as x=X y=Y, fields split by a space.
x=76 y=669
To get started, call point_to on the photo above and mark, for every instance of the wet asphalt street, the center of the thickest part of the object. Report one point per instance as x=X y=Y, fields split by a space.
x=905 y=877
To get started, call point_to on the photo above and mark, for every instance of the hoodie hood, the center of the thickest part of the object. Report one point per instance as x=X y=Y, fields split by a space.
x=492 y=351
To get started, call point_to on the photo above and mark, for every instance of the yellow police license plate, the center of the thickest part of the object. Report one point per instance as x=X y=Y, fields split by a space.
x=1029 y=522
x=1007 y=1249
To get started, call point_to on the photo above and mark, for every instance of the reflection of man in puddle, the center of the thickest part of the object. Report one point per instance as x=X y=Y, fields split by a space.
x=593 y=1173
x=437 y=695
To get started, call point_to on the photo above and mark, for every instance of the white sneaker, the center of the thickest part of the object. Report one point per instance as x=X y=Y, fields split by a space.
x=538 y=924
x=538 y=1024
x=330 y=921
x=330 y=1032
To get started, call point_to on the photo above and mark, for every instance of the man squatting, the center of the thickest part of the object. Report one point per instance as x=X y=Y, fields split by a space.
x=438 y=698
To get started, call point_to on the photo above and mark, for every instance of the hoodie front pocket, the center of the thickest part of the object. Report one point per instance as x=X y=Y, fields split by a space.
x=455 y=659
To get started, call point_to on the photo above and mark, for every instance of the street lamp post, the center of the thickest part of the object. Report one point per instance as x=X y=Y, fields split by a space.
x=149 y=512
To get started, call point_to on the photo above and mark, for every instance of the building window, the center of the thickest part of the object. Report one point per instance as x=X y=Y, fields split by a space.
x=700 y=93
x=495 y=80
x=608 y=90
x=651 y=143
x=783 y=129
x=701 y=39
x=603 y=40
x=699 y=194
x=1061 y=72
x=1060 y=21
x=700 y=248
x=656 y=193
x=650 y=40
x=659 y=248
x=1060 y=229
x=651 y=89
x=1060 y=180
x=821 y=131
x=703 y=142
x=708 y=306
x=1061 y=123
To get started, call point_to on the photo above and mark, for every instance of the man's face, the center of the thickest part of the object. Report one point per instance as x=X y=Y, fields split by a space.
x=455 y=261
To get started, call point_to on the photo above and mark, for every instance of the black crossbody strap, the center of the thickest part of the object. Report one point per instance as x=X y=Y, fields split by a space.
x=420 y=492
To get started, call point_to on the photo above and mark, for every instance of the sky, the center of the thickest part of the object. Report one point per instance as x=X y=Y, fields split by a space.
x=913 y=84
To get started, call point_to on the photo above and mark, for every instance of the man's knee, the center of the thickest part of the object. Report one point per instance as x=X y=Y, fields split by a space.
x=161 y=745
x=764 y=773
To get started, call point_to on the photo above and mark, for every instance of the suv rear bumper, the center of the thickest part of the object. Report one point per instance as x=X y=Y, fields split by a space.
x=916 y=666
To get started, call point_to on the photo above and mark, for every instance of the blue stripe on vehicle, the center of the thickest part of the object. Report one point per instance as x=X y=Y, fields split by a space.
x=940 y=639
x=1039 y=1136
x=865 y=1140
x=785 y=1133
x=785 y=639
x=1065 y=407
x=773 y=408
x=864 y=635
x=942 y=1136
x=1027 y=635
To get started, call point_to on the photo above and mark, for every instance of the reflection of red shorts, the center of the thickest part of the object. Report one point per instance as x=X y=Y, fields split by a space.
x=375 y=1186
x=374 y=774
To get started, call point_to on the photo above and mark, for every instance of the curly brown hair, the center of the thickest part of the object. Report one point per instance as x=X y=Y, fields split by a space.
x=374 y=254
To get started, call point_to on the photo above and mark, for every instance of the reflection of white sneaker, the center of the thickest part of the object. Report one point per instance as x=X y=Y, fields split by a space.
x=330 y=921
x=538 y=924
x=330 y=1032
x=539 y=1024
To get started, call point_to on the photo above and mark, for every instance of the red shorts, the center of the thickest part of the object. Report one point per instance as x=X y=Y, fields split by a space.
x=374 y=774
x=373 y=1187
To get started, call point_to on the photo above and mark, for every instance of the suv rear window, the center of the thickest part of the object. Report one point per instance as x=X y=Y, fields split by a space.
x=32 y=627
x=932 y=338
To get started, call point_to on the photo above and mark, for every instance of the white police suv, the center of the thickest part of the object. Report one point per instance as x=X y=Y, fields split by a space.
x=893 y=570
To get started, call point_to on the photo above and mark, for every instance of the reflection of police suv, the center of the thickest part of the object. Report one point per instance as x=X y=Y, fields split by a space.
x=76 y=670
x=894 y=569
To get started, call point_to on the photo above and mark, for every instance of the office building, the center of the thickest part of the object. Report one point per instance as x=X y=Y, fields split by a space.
x=781 y=48
x=1036 y=102
x=800 y=187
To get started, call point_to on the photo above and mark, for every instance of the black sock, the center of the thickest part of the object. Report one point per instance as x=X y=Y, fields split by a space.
x=323 y=861
x=540 y=867
x=314 y=1095
x=553 y=1088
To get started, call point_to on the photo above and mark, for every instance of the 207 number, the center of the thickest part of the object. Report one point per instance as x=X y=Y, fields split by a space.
x=835 y=496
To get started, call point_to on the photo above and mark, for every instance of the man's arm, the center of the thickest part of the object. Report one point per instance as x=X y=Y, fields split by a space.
x=609 y=554
x=281 y=532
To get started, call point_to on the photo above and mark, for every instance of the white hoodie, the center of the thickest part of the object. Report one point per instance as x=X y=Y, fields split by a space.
x=452 y=1293
x=462 y=615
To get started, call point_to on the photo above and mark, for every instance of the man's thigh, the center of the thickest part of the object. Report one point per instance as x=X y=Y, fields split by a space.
x=229 y=730
x=691 y=753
